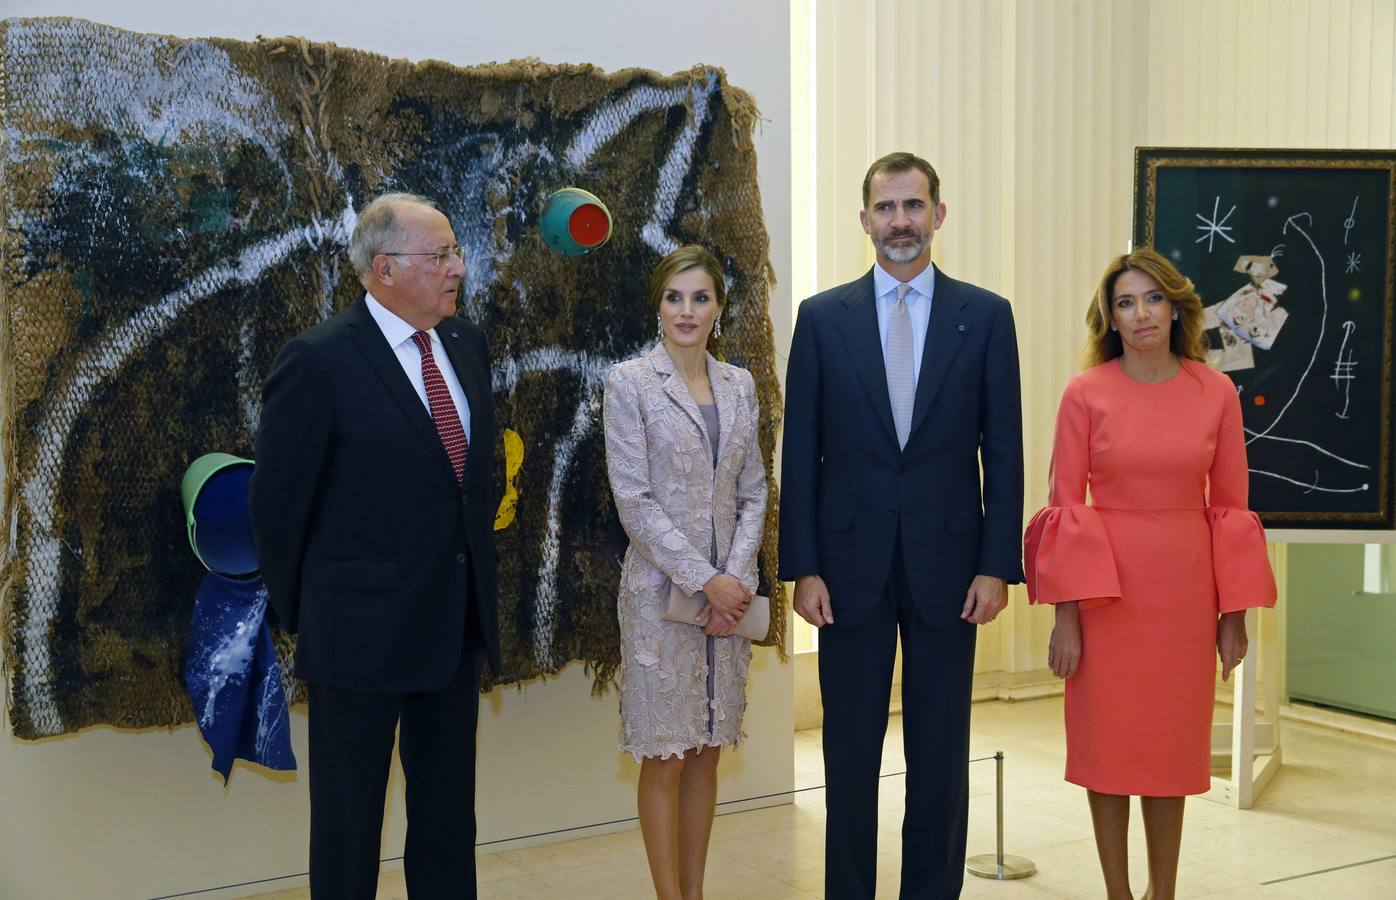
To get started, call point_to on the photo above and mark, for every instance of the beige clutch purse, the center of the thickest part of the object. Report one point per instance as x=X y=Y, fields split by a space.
x=682 y=607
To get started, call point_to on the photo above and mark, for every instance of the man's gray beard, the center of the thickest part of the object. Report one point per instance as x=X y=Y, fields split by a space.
x=903 y=254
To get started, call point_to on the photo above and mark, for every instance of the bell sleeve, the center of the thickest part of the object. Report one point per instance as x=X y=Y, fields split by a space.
x=1240 y=563
x=1066 y=548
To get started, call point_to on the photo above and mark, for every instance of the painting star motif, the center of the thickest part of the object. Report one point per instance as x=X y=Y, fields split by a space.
x=1213 y=228
x=1354 y=263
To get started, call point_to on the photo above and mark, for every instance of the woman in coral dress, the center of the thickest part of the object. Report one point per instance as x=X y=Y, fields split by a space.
x=1155 y=573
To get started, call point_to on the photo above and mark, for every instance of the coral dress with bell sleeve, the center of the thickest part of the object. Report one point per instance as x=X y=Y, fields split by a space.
x=1165 y=543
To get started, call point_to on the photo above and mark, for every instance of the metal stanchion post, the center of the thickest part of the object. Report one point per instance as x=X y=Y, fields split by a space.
x=997 y=865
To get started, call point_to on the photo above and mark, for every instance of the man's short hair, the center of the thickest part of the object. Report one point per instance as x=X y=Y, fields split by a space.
x=902 y=162
x=377 y=230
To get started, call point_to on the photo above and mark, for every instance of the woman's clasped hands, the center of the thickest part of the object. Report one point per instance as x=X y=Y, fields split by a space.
x=728 y=600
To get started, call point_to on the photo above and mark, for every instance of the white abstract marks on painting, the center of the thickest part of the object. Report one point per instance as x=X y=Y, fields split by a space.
x=1354 y=263
x=199 y=95
x=71 y=396
x=1342 y=369
x=1350 y=221
x=329 y=235
x=613 y=118
x=204 y=94
x=674 y=171
x=590 y=372
x=1316 y=448
x=489 y=186
x=248 y=397
x=1213 y=228
x=605 y=125
x=1311 y=486
x=1293 y=222
x=497 y=174
x=198 y=92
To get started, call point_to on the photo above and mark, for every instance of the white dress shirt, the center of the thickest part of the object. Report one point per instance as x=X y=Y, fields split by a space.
x=399 y=335
x=918 y=304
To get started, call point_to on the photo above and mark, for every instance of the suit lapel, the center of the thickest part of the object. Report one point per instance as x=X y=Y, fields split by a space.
x=864 y=341
x=477 y=395
x=369 y=339
x=945 y=335
x=677 y=390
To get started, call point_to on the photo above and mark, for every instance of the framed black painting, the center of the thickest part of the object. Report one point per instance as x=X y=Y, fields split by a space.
x=1293 y=254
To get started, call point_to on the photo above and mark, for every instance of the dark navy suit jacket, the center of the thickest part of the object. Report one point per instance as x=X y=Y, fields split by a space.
x=370 y=550
x=848 y=489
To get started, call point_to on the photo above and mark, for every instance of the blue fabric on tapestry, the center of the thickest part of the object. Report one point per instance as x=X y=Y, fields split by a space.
x=233 y=676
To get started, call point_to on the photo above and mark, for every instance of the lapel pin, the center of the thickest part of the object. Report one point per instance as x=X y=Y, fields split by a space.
x=456 y=335
x=963 y=328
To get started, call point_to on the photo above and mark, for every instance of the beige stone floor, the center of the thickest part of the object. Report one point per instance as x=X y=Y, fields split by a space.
x=1331 y=807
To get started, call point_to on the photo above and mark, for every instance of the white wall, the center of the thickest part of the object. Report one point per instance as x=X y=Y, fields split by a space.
x=112 y=814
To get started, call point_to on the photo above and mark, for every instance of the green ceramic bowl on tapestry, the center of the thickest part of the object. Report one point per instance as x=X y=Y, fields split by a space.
x=575 y=222
x=215 y=491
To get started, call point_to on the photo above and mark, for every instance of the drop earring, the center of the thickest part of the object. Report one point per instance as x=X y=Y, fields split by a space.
x=717 y=327
x=1175 y=315
x=660 y=321
x=1114 y=328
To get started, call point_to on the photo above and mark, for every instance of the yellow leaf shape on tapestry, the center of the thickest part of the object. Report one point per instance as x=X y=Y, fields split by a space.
x=513 y=461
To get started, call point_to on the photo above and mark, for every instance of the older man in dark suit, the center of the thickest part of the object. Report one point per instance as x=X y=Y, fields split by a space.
x=373 y=509
x=900 y=385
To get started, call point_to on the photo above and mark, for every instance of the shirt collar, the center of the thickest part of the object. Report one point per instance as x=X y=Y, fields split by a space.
x=923 y=284
x=395 y=329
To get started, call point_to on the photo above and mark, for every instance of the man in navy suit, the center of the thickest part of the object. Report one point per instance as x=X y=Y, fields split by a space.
x=373 y=510
x=901 y=385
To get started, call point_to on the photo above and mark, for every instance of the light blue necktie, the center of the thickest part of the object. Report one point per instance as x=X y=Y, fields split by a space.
x=901 y=365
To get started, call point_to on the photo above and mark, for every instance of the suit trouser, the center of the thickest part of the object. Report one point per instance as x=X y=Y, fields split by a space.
x=855 y=678
x=351 y=746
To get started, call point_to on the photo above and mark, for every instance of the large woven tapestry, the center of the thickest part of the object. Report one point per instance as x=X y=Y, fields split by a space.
x=176 y=210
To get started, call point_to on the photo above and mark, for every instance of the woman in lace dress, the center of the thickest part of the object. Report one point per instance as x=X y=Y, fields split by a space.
x=690 y=488
x=1152 y=578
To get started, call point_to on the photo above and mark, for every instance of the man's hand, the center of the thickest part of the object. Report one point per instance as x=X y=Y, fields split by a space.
x=812 y=601
x=986 y=599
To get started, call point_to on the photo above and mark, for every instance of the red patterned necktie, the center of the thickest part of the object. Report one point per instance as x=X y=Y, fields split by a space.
x=443 y=410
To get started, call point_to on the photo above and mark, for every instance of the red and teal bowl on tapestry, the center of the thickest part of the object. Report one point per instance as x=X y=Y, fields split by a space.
x=215 y=490
x=575 y=222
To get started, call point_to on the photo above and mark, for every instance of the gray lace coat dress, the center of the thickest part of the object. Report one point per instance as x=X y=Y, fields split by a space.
x=687 y=519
